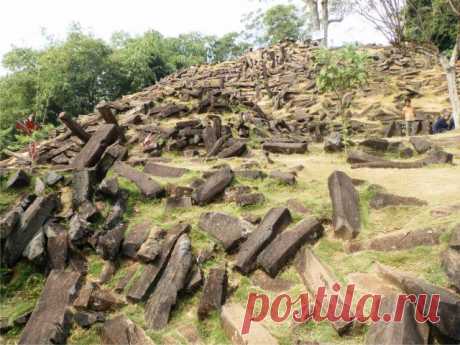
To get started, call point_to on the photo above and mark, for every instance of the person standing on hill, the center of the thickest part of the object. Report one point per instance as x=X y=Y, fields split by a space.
x=409 y=116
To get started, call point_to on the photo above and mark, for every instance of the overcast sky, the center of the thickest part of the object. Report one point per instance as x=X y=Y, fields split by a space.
x=22 y=21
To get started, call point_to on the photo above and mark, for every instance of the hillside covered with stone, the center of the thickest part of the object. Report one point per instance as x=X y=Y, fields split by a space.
x=151 y=220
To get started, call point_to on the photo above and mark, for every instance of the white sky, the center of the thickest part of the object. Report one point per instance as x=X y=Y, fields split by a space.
x=22 y=21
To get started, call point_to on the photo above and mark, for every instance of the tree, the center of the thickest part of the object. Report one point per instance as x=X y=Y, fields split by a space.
x=315 y=16
x=387 y=16
x=227 y=47
x=323 y=13
x=439 y=39
x=76 y=73
x=142 y=60
x=274 y=25
x=449 y=67
x=340 y=72
x=431 y=21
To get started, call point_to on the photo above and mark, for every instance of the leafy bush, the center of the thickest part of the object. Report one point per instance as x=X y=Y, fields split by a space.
x=340 y=72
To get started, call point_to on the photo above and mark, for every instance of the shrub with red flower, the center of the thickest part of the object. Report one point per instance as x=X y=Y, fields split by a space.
x=28 y=127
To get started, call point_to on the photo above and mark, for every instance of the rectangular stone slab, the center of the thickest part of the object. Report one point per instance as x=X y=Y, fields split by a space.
x=237 y=149
x=144 y=285
x=232 y=318
x=275 y=221
x=122 y=331
x=134 y=239
x=228 y=230
x=315 y=275
x=285 y=245
x=95 y=147
x=148 y=187
x=30 y=224
x=172 y=281
x=286 y=148
x=160 y=170
x=408 y=331
x=397 y=240
x=449 y=307
x=50 y=320
x=214 y=292
x=345 y=205
x=213 y=186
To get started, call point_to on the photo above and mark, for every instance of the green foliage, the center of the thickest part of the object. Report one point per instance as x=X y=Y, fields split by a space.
x=227 y=47
x=431 y=21
x=274 y=25
x=75 y=74
x=341 y=70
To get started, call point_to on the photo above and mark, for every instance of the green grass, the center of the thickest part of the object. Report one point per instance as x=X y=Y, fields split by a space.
x=79 y=336
x=7 y=198
x=20 y=294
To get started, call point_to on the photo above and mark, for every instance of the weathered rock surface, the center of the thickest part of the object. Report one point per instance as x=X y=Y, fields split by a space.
x=284 y=247
x=228 y=230
x=87 y=319
x=448 y=326
x=345 y=205
x=151 y=274
x=160 y=170
x=18 y=179
x=250 y=199
x=214 y=292
x=95 y=147
x=148 y=187
x=214 y=186
x=178 y=202
x=121 y=331
x=451 y=264
x=235 y=150
x=283 y=177
x=52 y=178
x=398 y=240
x=79 y=231
x=420 y=145
x=109 y=188
x=285 y=148
x=30 y=224
x=275 y=221
x=50 y=320
x=375 y=145
x=118 y=210
x=380 y=200
x=250 y=174
x=9 y=223
x=232 y=318
x=334 y=143
x=137 y=235
x=151 y=248
x=454 y=242
x=172 y=281
x=35 y=250
x=109 y=243
x=82 y=187
x=408 y=331
x=315 y=275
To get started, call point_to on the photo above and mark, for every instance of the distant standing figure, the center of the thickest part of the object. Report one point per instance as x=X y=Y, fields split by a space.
x=443 y=123
x=409 y=116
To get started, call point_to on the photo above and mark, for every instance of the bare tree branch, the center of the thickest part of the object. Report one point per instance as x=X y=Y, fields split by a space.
x=386 y=15
x=454 y=8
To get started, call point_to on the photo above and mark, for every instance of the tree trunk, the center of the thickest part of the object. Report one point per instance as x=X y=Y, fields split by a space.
x=325 y=21
x=449 y=69
x=313 y=6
